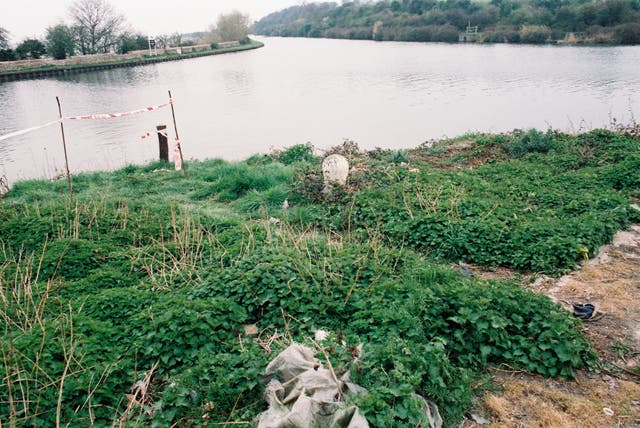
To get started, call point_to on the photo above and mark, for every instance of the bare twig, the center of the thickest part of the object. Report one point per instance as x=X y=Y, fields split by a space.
x=286 y=325
x=330 y=368
x=234 y=407
x=139 y=393
x=68 y=356
x=232 y=423
x=266 y=343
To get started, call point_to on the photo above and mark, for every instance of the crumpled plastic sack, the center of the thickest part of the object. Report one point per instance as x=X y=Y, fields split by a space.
x=303 y=394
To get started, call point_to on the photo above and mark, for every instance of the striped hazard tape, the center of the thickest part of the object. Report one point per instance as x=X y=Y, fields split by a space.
x=25 y=131
x=116 y=115
x=86 y=117
x=177 y=156
x=148 y=134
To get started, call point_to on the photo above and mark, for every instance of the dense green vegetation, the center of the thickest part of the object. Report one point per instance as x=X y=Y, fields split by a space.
x=141 y=283
x=510 y=21
x=540 y=202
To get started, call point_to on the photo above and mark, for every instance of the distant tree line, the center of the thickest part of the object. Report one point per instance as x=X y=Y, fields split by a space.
x=96 y=27
x=510 y=21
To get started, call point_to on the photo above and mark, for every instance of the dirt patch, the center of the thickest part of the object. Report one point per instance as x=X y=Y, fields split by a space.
x=592 y=401
x=484 y=272
x=457 y=154
x=610 y=281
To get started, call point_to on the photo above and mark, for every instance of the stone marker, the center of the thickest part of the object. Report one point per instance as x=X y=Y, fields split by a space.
x=335 y=170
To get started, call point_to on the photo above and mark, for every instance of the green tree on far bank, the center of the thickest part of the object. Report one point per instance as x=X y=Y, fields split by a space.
x=59 y=41
x=629 y=33
x=31 y=48
x=133 y=42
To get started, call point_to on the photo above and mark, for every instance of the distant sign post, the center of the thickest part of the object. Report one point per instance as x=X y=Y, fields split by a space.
x=152 y=47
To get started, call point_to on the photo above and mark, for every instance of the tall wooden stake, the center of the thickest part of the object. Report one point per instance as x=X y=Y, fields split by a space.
x=64 y=146
x=175 y=127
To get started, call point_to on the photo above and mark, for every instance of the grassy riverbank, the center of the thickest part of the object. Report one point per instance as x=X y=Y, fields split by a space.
x=146 y=278
x=29 y=72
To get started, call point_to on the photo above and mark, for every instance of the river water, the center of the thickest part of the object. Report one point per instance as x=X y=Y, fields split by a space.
x=389 y=95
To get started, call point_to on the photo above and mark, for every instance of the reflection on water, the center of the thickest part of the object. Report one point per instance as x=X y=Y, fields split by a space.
x=114 y=78
x=292 y=91
x=237 y=82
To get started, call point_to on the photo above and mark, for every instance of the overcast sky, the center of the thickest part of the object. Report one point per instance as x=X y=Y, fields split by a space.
x=30 y=18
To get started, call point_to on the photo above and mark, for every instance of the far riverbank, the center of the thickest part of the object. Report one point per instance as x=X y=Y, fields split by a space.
x=105 y=62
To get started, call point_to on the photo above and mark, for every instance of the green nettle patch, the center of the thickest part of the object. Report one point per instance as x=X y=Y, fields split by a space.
x=532 y=213
x=130 y=309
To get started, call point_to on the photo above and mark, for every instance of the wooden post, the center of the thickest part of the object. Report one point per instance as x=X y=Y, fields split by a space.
x=163 y=142
x=175 y=127
x=64 y=146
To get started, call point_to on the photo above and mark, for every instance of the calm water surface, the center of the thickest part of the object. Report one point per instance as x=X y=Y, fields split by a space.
x=390 y=95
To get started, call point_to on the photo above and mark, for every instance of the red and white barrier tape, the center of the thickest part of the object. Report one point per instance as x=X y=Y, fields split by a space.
x=148 y=134
x=87 y=117
x=25 y=131
x=115 y=115
x=177 y=156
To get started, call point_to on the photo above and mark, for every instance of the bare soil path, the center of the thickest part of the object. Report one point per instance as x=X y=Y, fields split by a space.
x=610 y=281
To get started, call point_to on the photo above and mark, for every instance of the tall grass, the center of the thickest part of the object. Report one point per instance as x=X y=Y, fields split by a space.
x=35 y=325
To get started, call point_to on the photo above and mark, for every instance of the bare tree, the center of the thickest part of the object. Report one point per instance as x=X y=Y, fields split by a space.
x=162 y=41
x=97 y=25
x=4 y=38
x=175 y=39
x=231 y=27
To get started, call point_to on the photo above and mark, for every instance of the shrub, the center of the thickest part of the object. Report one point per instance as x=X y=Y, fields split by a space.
x=608 y=147
x=444 y=33
x=297 y=153
x=531 y=141
x=7 y=55
x=625 y=175
x=99 y=280
x=59 y=41
x=393 y=379
x=600 y=35
x=628 y=34
x=72 y=258
x=31 y=48
x=117 y=304
x=175 y=330
x=501 y=34
x=534 y=34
